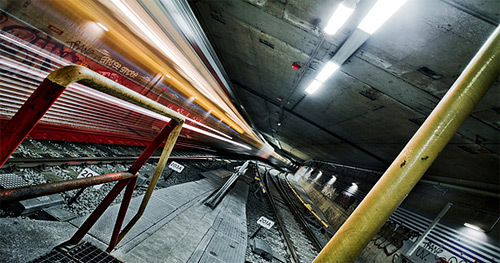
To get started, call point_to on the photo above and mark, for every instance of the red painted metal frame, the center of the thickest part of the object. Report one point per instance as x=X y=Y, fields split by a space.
x=130 y=184
x=134 y=169
x=14 y=132
x=27 y=117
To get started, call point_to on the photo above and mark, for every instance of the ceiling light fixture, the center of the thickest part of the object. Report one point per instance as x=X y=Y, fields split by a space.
x=314 y=86
x=327 y=71
x=352 y=189
x=380 y=12
x=323 y=75
x=339 y=17
x=471 y=226
x=102 y=26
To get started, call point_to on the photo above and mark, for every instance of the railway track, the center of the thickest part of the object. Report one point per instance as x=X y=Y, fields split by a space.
x=29 y=162
x=37 y=162
x=301 y=244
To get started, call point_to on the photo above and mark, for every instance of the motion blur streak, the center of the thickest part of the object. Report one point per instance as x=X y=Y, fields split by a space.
x=159 y=40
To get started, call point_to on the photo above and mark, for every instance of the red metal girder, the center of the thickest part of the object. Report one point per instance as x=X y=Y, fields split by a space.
x=152 y=147
x=77 y=237
x=121 y=214
x=27 y=117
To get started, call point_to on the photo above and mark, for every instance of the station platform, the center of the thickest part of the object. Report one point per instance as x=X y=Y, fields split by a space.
x=176 y=227
x=301 y=192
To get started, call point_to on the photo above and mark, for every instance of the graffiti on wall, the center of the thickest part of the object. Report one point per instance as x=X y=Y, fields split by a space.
x=432 y=252
x=107 y=61
x=21 y=46
x=77 y=45
x=38 y=40
x=391 y=236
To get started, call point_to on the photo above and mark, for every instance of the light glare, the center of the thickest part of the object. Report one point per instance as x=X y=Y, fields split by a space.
x=327 y=71
x=352 y=189
x=314 y=86
x=102 y=26
x=380 y=12
x=339 y=17
x=471 y=226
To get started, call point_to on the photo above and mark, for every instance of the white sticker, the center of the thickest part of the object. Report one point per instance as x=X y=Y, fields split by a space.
x=176 y=166
x=265 y=222
x=87 y=172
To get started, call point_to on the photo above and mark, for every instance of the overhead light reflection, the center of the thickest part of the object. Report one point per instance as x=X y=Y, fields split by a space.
x=102 y=26
x=320 y=173
x=331 y=181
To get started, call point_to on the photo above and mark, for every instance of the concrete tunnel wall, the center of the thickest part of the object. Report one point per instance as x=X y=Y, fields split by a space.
x=451 y=242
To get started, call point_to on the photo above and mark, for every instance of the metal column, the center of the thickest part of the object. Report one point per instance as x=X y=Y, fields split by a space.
x=420 y=152
x=429 y=229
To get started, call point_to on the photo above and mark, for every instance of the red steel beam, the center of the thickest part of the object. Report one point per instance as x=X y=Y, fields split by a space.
x=134 y=168
x=127 y=197
x=87 y=225
x=152 y=147
x=14 y=132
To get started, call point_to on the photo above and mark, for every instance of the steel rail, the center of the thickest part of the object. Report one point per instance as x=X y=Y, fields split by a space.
x=307 y=229
x=34 y=162
x=281 y=225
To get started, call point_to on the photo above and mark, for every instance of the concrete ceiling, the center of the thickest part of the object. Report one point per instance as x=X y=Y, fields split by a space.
x=367 y=111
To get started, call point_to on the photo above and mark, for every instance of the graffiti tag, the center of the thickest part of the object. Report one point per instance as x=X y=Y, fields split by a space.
x=391 y=236
x=107 y=61
x=82 y=48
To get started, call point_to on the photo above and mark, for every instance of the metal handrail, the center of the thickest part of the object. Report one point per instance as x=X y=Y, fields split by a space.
x=51 y=88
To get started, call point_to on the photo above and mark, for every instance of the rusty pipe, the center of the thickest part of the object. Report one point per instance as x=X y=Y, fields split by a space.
x=33 y=191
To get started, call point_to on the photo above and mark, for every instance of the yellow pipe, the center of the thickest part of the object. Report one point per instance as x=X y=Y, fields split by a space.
x=417 y=156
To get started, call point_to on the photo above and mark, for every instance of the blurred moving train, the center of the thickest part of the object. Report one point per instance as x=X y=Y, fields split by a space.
x=154 y=48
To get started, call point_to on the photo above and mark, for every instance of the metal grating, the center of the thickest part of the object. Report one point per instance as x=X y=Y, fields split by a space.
x=11 y=181
x=84 y=253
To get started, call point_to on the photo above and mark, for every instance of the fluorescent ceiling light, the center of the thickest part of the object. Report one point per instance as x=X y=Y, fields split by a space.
x=102 y=26
x=339 y=17
x=314 y=86
x=327 y=71
x=473 y=227
x=380 y=12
